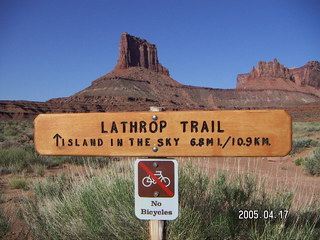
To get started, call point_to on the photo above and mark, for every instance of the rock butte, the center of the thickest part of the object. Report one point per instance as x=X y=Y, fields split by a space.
x=273 y=75
x=139 y=81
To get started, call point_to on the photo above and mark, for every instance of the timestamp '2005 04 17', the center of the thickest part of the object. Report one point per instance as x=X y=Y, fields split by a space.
x=265 y=214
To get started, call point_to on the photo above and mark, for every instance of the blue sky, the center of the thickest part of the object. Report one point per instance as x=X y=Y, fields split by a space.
x=52 y=49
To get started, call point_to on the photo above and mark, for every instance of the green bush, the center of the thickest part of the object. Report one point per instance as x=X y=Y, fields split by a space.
x=39 y=169
x=14 y=157
x=93 y=162
x=97 y=208
x=17 y=159
x=52 y=187
x=302 y=144
x=18 y=183
x=102 y=207
x=299 y=161
x=4 y=224
x=312 y=163
x=305 y=129
x=15 y=132
x=11 y=131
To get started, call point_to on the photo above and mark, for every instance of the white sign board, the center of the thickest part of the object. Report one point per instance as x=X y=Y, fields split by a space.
x=156 y=189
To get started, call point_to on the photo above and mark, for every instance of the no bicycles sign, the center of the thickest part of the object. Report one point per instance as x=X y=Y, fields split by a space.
x=156 y=189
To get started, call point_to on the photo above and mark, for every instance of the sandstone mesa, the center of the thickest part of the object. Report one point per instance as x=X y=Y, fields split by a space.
x=138 y=81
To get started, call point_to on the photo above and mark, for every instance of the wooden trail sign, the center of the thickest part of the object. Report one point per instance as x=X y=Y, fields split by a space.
x=172 y=133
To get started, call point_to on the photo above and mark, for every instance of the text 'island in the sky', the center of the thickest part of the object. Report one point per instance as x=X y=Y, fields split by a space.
x=167 y=134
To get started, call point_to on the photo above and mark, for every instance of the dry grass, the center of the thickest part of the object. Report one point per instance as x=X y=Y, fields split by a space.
x=99 y=204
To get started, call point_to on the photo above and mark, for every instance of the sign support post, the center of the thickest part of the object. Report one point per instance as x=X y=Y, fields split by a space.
x=156 y=227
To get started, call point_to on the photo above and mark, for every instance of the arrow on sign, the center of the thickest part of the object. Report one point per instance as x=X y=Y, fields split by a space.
x=57 y=136
x=149 y=172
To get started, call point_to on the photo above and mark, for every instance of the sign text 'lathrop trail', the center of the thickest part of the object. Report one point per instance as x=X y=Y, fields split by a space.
x=185 y=133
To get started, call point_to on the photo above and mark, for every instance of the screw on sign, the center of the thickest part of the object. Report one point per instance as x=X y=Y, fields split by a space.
x=155 y=178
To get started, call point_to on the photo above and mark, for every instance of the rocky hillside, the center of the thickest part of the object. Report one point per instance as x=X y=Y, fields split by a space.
x=139 y=81
x=308 y=75
x=273 y=75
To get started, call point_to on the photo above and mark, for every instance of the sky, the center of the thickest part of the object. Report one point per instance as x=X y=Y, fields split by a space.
x=51 y=49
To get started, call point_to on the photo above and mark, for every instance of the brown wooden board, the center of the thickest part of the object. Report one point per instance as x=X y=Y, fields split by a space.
x=174 y=133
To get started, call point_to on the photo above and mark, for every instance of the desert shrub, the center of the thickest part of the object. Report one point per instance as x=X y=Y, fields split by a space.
x=52 y=186
x=8 y=144
x=11 y=131
x=4 y=171
x=52 y=161
x=299 y=161
x=302 y=144
x=15 y=133
x=4 y=224
x=17 y=159
x=305 y=129
x=39 y=169
x=102 y=207
x=14 y=156
x=312 y=163
x=97 y=208
x=93 y=162
x=215 y=204
x=18 y=183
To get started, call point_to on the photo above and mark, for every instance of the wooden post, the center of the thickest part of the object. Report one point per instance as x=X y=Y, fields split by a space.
x=156 y=227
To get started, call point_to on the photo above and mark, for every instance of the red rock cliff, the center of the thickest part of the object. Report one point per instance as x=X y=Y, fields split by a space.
x=308 y=75
x=137 y=52
x=273 y=75
x=264 y=70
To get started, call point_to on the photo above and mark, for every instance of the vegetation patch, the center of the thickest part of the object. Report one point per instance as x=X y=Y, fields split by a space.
x=4 y=224
x=52 y=187
x=17 y=159
x=299 y=161
x=302 y=144
x=16 y=131
x=102 y=207
x=305 y=135
x=305 y=129
x=18 y=183
x=312 y=163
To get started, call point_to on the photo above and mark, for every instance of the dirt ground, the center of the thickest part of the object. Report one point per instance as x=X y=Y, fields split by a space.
x=276 y=172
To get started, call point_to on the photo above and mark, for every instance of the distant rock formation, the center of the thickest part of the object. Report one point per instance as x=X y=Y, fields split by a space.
x=137 y=52
x=270 y=69
x=273 y=75
x=308 y=75
x=266 y=71
x=139 y=81
x=137 y=75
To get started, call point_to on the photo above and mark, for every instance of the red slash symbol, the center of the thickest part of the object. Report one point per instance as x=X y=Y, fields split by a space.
x=148 y=171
